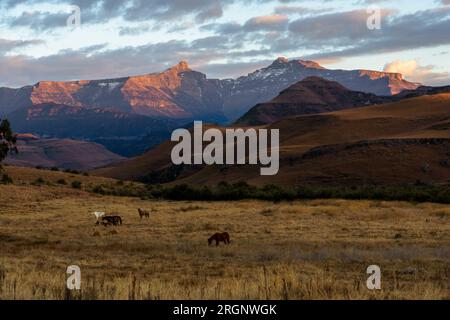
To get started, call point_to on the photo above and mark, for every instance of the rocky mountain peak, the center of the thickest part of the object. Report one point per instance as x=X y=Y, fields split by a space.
x=310 y=64
x=181 y=66
x=283 y=62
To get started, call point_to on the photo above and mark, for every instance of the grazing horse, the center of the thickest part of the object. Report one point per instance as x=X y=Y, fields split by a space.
x=220 y=237
x=98 y=215
x=114 y=220
x=144 y=213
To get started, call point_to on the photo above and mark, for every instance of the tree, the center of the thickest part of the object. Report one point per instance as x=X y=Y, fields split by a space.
x=7 y=139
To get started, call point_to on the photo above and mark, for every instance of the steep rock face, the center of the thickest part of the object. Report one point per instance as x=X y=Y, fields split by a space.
x=180 y=92
x=311 y=95
x=177 y=92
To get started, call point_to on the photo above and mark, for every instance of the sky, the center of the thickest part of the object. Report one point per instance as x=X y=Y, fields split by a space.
x=221 y=38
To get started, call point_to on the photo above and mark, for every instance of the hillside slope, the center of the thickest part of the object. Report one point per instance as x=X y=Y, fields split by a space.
x=64 y=154
x=309 y=96
x=123 y=133
x=399 y=142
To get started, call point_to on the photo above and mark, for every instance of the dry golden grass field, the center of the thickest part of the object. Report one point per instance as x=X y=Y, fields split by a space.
x=291 y=250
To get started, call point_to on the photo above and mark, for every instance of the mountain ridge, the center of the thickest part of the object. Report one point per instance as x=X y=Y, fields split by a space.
x=182 y=93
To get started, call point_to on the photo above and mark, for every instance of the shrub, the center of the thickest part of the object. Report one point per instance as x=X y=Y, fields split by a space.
x=99 y=189
x=72 y=171
x=39 y=181
x=61 y=181
x=76 y=184
x=6 y=179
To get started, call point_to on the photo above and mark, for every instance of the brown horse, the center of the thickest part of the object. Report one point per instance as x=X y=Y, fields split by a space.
x=220 y=237
x=144 y=213
x=114 y=220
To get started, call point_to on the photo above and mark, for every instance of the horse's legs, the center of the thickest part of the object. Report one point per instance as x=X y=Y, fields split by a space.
x=217 y=242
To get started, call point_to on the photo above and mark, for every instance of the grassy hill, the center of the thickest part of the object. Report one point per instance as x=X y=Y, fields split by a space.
x=401 y=142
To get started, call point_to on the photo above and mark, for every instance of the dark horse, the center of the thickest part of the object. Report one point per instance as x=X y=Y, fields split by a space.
x=114 y=220
x=220 y=237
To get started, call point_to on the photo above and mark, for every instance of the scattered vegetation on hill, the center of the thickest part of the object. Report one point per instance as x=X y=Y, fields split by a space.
x=76 y=184
x=224 y=191
x=6 y=179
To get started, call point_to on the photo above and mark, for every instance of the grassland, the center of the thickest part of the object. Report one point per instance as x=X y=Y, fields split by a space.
x=315 y=249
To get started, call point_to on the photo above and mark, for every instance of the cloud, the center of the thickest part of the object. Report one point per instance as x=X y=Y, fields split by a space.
x=40 y=21
x=96 y=62
x=269 y=22
x=413 y=71
x=347 y=36
x=407 y=68
x=283 y=27
x=9 y=45
x=100 y=11
x=133 y=31
x=342 y=26
x=299 y=10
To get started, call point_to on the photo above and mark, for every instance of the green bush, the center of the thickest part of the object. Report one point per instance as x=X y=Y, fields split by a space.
x=72 y=171
x=225 y=191
x=241 y=190
x=39 y=181
x=61 y=181
x=99 y=189
x=6 y=179
x=76 y=184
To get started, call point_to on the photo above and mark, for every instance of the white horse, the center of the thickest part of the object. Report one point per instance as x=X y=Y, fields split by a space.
x=98 y=215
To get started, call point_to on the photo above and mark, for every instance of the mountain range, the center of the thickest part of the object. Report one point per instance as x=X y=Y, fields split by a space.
x=134 y=117
x=182 y=93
